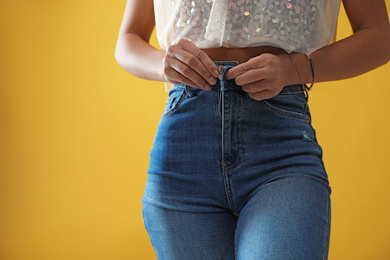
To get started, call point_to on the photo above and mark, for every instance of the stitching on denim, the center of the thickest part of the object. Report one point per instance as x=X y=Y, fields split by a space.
x=285 y=112
x=290 y=93
x=235 y=164
x=240 y=153
x=228 y=190
x=169 y=113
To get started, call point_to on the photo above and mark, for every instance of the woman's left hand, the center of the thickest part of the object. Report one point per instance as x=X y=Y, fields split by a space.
x=264 y=76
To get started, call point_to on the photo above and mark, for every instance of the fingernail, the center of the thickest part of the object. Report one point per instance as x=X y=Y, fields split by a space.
x=212 y=81
x=207 y=87
x=215 y=73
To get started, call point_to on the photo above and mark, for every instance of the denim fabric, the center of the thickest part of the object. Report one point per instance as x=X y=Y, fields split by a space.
x=234 y=178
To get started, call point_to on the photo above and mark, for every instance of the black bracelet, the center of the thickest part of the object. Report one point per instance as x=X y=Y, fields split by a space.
x=313 y=72
x=296 y=68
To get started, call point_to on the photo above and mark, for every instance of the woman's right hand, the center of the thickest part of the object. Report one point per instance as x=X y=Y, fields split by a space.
x=185 y=63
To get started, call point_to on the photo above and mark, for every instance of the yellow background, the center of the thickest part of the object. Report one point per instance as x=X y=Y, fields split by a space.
x=76 y=131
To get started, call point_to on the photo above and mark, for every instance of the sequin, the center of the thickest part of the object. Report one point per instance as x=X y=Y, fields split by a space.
x=297 y=9
x=294 y=24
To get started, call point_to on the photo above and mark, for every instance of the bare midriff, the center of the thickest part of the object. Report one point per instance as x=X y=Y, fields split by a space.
x=240 y=54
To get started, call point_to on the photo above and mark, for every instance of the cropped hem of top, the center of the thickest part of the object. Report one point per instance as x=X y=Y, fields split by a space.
x=293 y=25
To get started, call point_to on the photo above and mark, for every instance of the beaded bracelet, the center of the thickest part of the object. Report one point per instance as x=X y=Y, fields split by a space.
x=313 y=72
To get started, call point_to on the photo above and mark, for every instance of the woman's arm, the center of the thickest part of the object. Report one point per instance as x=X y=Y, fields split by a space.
x=181 y=63
x=133 y=51
x=367 y=49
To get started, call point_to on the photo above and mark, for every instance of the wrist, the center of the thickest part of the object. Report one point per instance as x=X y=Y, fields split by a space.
x=292 y=75
x=303 y=66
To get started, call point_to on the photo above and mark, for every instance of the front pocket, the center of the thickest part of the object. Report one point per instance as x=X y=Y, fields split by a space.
x=175 y=98
x=290 y=105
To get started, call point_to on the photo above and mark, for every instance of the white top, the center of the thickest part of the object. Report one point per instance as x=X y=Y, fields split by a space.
x=293 y=25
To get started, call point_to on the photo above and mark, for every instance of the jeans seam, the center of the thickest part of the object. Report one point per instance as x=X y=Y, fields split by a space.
x=286 y=113
x=228 y=191
x=240 y=141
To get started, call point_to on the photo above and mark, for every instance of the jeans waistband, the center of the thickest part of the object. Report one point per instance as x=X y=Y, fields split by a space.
x=223 y=66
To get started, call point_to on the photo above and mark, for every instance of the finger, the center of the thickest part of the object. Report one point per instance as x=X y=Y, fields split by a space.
x=177 y=74
x=192 y=75
x=236 y=71
x=257 y=62
x=262 y=95
x=191 y=66
x=195 y=58
x=172 y=63
x=201 y=56
x=255 y=87
x=251 y=76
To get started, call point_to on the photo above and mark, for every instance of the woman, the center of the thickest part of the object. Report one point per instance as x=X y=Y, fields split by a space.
x=236 y=171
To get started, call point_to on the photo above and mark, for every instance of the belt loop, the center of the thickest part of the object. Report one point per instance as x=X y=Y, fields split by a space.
x=306 y=93
x=222 y=83
x=223 y=80
x=189 y=90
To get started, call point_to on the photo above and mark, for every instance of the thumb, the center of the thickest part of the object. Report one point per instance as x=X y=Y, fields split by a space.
x=236 y=71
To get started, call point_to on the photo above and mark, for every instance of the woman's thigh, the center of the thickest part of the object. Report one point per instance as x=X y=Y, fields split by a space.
x=286 y=219
x=180 y=235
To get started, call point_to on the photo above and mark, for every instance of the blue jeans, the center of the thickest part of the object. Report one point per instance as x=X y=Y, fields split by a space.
x=234 y=178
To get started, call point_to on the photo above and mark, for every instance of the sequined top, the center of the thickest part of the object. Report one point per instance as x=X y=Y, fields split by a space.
x=293 y=25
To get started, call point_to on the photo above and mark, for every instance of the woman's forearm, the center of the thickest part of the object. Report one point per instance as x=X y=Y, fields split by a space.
x=365 y=50
x=350 y=57
x=353 y=56
x=139 y=58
